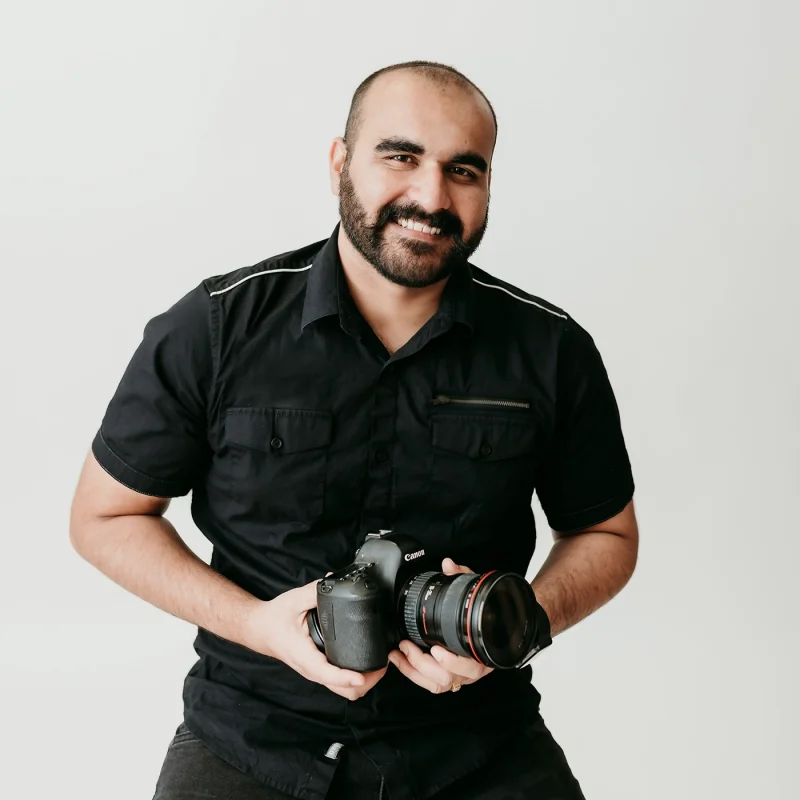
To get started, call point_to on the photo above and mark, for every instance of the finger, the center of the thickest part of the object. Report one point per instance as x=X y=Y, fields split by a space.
x=426 y=664
x=459 y=665
x=372 y=678
x=449 y=567
x=348 y=694
x=316 y=667
x=376 y=675
x=304 y=598
x=404 y=667
x=354 y=693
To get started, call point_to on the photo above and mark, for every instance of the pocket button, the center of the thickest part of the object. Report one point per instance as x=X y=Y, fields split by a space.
x=486 y=450
x=276 y=443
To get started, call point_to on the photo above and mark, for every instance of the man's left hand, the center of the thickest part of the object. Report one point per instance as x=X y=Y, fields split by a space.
x=440 y=670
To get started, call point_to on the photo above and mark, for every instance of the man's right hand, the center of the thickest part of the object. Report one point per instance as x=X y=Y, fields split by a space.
x=277 y=628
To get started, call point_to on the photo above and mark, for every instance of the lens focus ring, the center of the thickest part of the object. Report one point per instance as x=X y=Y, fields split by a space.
x=452 y=615
x=411 y=605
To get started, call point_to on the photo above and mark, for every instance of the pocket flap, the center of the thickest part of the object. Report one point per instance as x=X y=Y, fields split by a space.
x=278 y=430
x=485 y=438
x=302 y=429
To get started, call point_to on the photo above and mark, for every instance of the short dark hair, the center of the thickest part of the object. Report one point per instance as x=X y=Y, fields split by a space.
x=440 y=73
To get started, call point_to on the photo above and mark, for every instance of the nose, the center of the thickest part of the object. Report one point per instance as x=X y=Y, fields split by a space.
x=429 y=189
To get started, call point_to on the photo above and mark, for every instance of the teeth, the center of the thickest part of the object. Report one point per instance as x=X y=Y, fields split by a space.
x=417 y=226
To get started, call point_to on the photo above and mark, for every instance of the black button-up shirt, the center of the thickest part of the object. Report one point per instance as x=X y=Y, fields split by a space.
x=265 y=394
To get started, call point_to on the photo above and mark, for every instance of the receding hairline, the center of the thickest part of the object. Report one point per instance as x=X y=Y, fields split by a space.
x=441 y=74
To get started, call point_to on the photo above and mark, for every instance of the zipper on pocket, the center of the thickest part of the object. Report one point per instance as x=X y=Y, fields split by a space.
x=443 y=400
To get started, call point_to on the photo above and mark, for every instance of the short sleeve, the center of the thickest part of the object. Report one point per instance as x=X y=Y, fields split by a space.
x=153 y=437
x=586 y=477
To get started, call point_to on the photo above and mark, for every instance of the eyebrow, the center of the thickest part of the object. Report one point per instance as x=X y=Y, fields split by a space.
x=393 y=144
x=471 y=159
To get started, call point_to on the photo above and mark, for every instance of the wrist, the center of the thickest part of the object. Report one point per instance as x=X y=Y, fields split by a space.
x=546 y=602
x=252 y=624
x=543 y=636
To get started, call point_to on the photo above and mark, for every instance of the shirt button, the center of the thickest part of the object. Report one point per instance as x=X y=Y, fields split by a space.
x=381 y=456
x=276 y=443
x=486 y=449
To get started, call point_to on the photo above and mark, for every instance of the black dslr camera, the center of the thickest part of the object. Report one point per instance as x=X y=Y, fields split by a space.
x=393 y=591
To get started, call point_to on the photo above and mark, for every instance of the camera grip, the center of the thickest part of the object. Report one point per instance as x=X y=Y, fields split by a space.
x=353 y=633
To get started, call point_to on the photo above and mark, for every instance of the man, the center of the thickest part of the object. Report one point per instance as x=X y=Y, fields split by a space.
x=376 y=381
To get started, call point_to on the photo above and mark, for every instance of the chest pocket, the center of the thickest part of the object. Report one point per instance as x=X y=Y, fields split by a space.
x=484 y=462
x=276 y=461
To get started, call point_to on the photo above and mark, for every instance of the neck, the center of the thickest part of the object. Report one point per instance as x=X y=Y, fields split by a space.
x=394 y=312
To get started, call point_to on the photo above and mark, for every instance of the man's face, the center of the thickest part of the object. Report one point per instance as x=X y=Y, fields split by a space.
x=421 y=158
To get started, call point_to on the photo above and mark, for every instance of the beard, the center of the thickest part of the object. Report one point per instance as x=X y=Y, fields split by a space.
x=408 y=262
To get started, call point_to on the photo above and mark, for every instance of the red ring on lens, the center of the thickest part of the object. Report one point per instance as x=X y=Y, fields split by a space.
x=469 y=618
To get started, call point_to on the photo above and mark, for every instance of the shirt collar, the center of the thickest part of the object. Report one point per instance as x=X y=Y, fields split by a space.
x=458 y=297
x=327 y=293
x=322 y=287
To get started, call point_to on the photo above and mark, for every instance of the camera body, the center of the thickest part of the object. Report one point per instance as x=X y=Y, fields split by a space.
x=358 y=614
x=394 y=591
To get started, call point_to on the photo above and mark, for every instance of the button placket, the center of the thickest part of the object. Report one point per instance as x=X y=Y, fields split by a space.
x=377 y=497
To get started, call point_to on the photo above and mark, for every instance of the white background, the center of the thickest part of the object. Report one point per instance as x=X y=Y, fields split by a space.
x=646 y=180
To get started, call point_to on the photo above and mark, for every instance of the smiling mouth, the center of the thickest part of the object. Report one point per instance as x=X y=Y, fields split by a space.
x=419 y=228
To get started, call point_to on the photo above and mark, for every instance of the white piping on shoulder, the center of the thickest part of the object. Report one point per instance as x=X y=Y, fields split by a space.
x=521 y=299
x=256 y=274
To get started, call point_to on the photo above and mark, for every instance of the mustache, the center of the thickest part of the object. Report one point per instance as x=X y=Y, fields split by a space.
x=445 y=220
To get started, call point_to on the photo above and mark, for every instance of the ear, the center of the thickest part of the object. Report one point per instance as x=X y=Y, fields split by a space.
x=336 y=157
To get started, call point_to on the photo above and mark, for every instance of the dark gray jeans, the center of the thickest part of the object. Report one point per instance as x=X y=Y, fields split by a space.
x=534 y=768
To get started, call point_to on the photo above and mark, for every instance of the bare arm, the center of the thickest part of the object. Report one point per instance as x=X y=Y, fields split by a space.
x=584 y=570
x=124 y=534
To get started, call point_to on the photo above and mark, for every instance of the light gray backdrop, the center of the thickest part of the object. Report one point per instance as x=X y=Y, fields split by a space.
x=646 y=179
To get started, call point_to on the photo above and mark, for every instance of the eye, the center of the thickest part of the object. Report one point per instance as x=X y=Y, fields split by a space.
x=399 y=158
x=463 y=173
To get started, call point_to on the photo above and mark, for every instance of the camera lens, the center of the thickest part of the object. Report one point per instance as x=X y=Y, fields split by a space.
x=487 y=617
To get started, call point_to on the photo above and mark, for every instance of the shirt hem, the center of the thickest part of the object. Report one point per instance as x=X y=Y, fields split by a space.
x=130 y=477
x=576 y=521
x=247 y=769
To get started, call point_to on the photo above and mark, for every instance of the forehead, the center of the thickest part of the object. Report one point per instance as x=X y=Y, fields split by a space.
x=443 y=117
